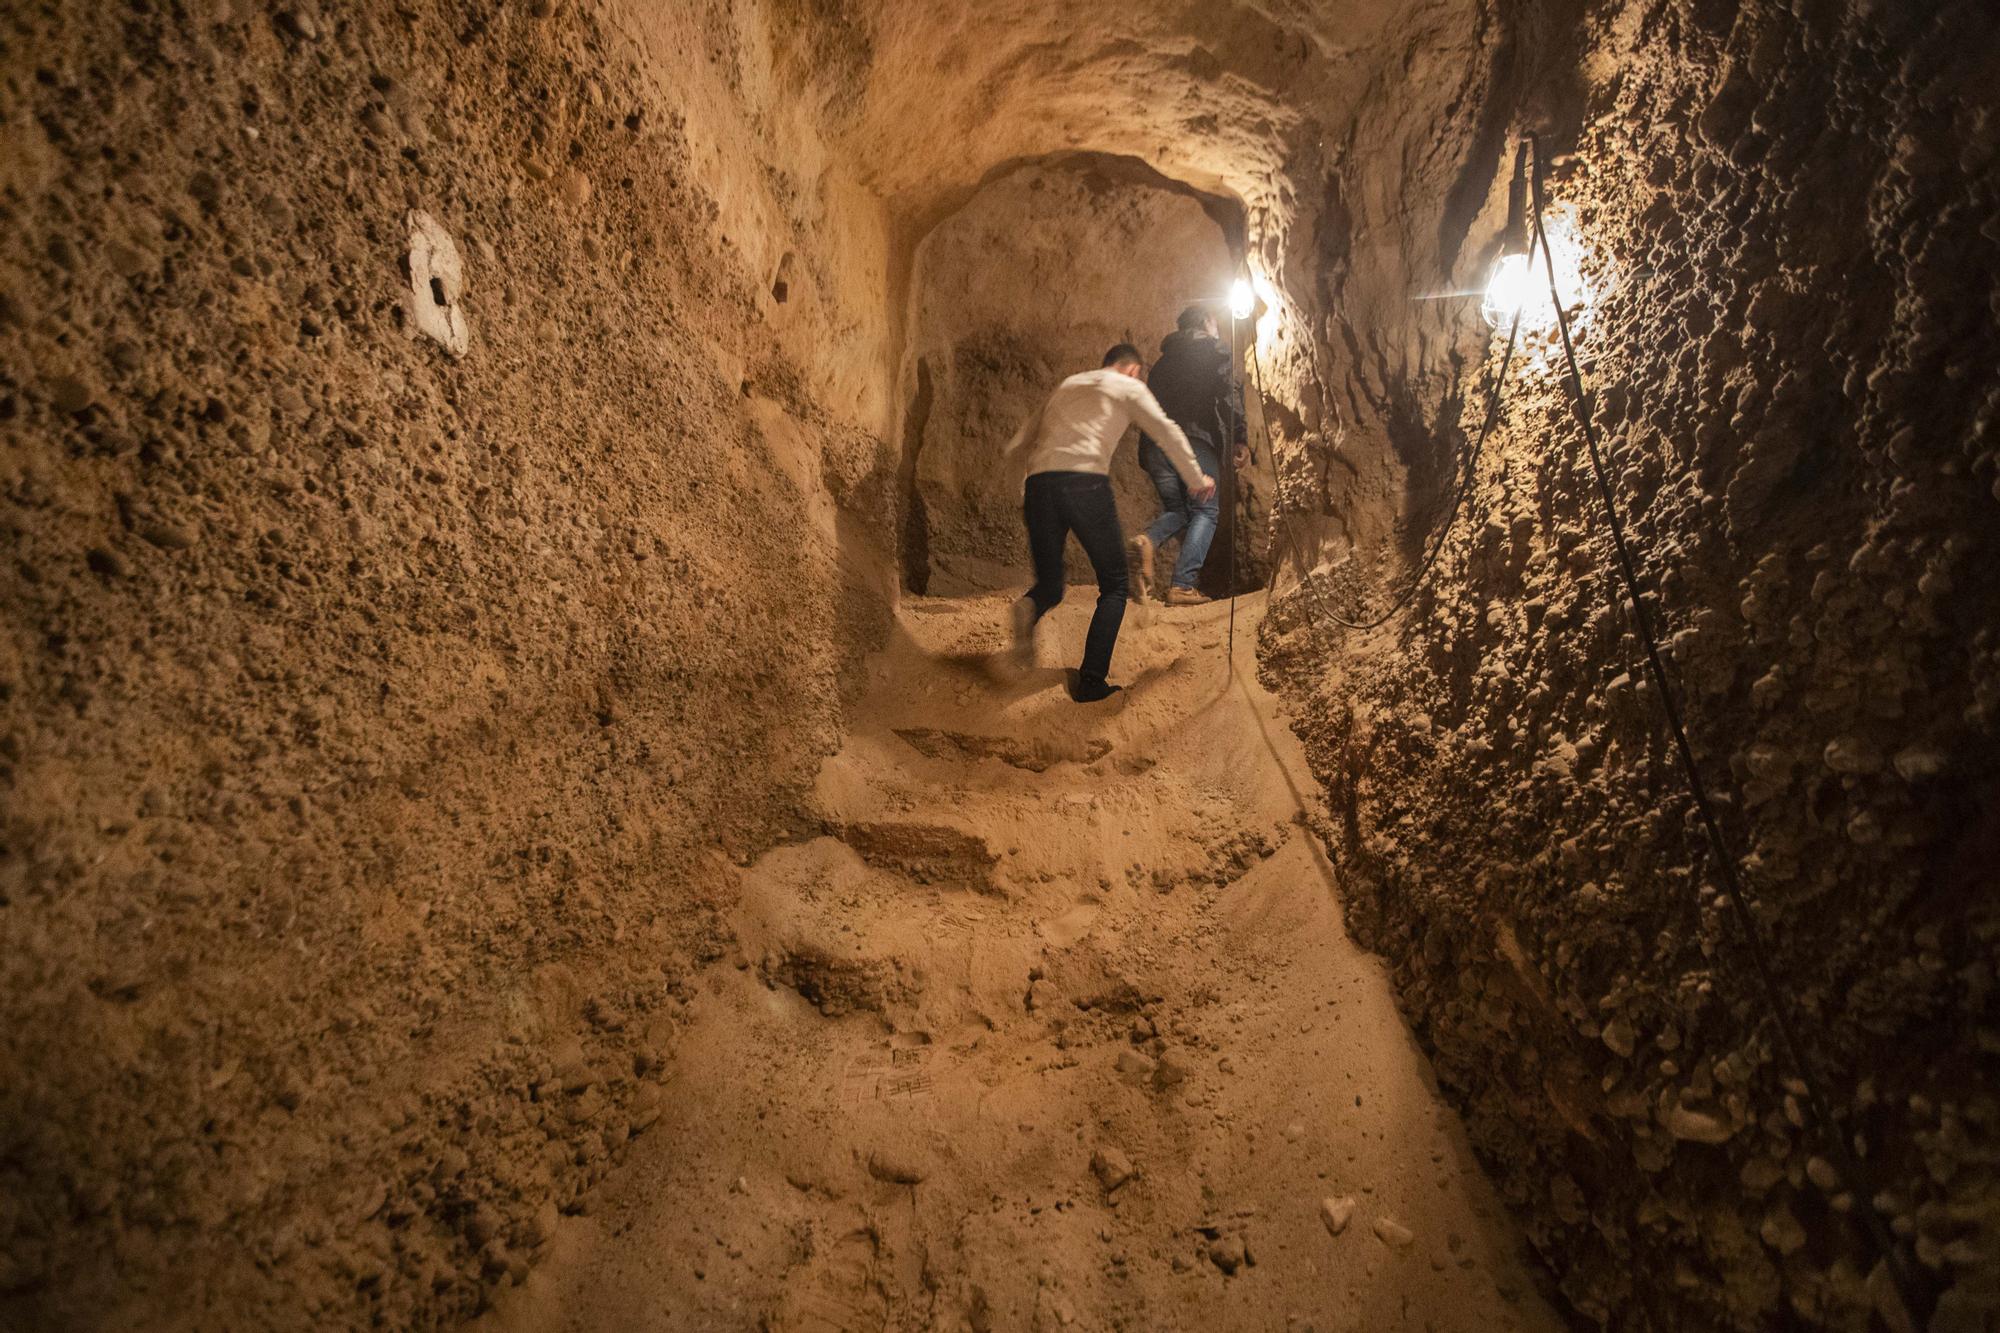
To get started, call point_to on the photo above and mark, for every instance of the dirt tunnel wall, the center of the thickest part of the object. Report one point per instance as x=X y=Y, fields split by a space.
x=373 y=712
x=1784 y=205
x=370 y=706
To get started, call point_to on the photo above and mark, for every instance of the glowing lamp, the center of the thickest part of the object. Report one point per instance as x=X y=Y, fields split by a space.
x=1518 y=286
x=1509 y=290
x=1512 y=283
x=1242 y=301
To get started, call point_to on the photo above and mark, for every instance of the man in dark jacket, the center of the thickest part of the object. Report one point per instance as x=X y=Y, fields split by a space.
x=1194 y=383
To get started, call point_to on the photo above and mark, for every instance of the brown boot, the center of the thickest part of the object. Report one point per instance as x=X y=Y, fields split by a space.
x=1142 y=551
x=1185 y=597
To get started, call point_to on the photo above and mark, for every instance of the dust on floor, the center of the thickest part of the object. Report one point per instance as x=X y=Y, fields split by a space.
x=1057 y=1026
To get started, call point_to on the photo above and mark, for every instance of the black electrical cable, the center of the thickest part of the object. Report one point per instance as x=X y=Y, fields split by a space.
x=1225 y=439
x=1907 y=1285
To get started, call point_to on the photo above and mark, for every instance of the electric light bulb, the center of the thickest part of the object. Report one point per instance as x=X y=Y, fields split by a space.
x=1519 y=283
x=1508 y=290
x=1242 y=301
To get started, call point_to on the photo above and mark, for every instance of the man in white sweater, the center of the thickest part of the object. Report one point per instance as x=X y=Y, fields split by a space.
x=1069 y=444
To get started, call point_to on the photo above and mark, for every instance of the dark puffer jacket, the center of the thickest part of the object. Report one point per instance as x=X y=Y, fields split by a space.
x=1192 y=380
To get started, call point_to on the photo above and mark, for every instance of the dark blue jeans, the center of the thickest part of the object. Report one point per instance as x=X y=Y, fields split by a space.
x=1194 y=520
x=1057 y=504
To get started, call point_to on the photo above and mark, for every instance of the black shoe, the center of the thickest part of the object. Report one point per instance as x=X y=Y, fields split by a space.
x=1089 y=691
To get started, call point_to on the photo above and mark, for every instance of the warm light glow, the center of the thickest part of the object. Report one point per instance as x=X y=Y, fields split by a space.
x=1508 y=290
x=1521 y=282
x=1242 y=301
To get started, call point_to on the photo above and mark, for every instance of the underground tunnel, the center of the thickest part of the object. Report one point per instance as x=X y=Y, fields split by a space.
x=524 y=808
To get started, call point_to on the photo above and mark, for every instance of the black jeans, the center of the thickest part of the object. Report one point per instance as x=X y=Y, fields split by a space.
x=1057 y=504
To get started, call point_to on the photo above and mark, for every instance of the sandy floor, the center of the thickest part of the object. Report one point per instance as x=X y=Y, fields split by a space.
x=1058 y=1027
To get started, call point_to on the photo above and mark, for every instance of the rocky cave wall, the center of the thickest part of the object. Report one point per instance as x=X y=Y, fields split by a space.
x=1790 y=349
x=369 y=710
x=369 y=713
x=1030 y=281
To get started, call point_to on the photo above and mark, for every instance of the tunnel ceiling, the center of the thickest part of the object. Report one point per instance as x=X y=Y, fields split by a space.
x=929 y=99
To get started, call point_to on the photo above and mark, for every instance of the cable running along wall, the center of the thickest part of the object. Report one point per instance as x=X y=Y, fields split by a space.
x=1907 y=1282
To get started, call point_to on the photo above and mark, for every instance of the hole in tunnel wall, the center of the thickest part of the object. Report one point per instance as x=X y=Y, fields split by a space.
x=1029 y=281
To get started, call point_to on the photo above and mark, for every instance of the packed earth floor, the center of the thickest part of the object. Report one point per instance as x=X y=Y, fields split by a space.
x=1057 y=1026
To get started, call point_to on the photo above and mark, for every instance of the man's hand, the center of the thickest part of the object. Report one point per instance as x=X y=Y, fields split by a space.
x=1205 y=492
x=1242 y=457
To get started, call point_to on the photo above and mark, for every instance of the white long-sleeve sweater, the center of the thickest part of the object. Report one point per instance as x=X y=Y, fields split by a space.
x=1078 y=429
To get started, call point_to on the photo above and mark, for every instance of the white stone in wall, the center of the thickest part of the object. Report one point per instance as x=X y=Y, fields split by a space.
x=437 y=285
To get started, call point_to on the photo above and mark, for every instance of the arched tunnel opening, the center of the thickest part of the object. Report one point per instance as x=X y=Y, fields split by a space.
x=528 y=799
x=1045 y=266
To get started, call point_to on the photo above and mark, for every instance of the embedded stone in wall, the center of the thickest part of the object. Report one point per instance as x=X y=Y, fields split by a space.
x=437 y=284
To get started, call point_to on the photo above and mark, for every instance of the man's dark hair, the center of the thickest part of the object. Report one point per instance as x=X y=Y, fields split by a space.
x=1194 y=317
x=1123 y=354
